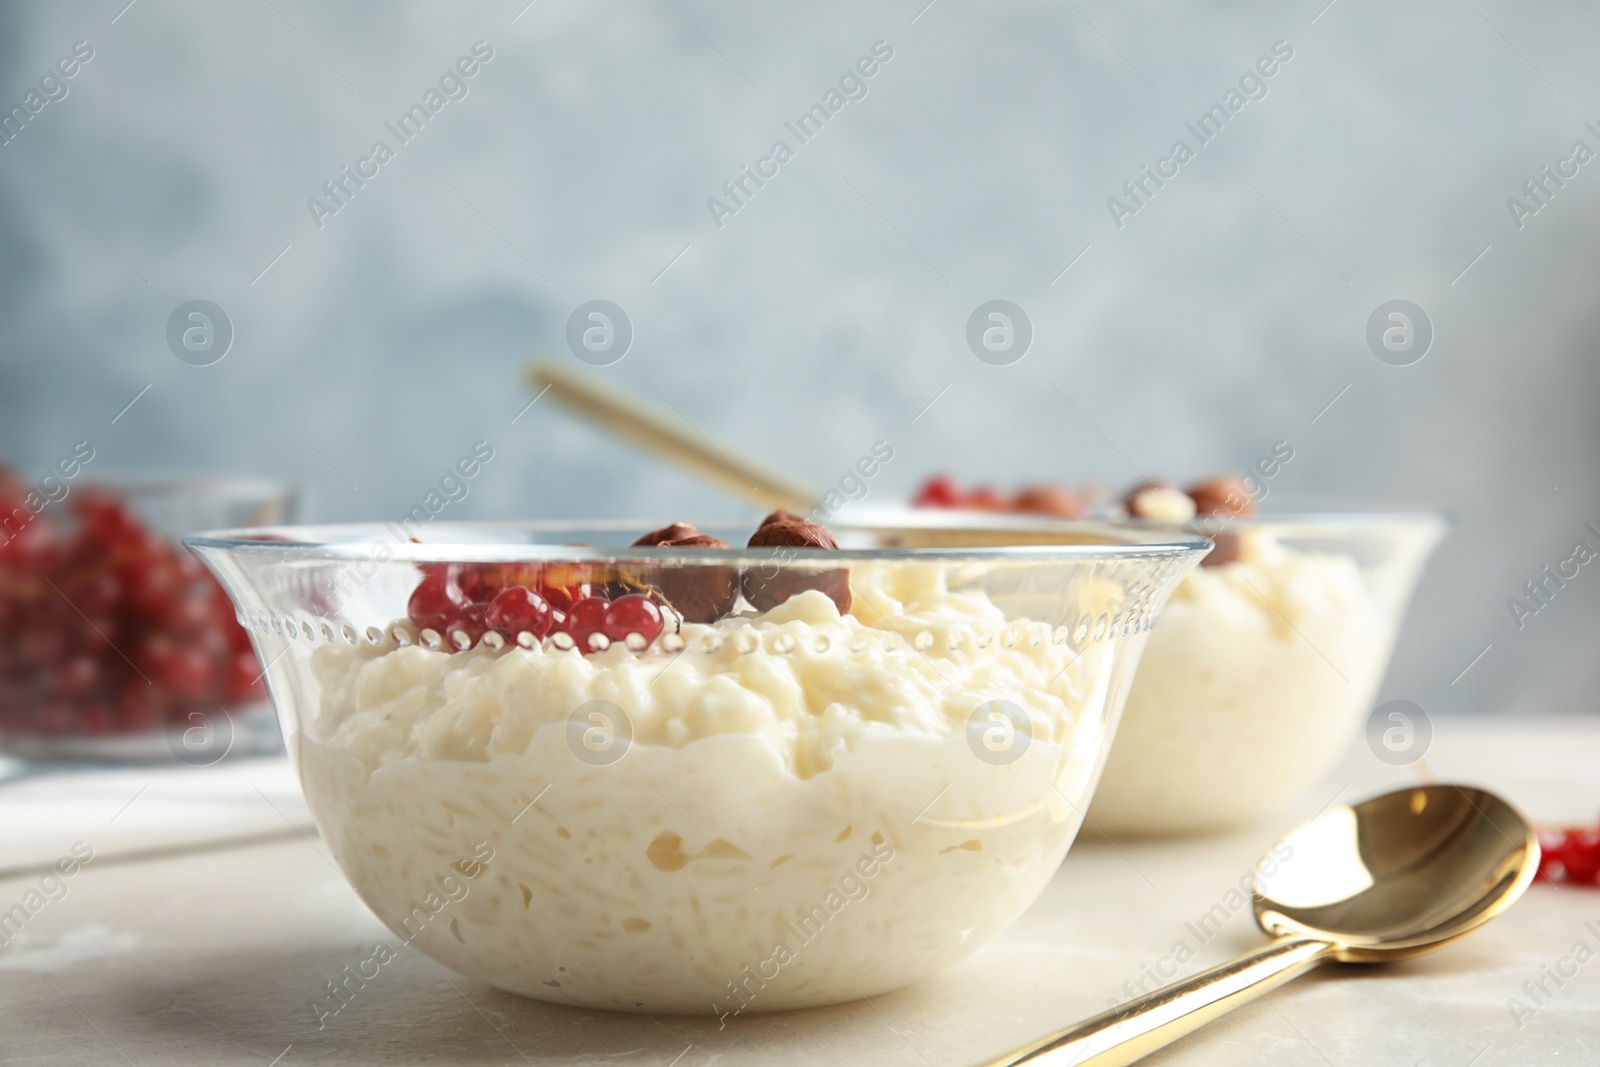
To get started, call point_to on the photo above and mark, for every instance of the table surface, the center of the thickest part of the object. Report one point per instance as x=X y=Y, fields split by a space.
x=214 y=956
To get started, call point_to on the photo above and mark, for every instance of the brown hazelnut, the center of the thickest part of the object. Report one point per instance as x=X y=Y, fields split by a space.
x=1228 y=550
x=1224 y=496
x=699 y=594
x=768 y=585
x=693 y=540
x=783 y=515
x=985 y=498
x=1054 y=500
x=674 y=532
x=800 y=534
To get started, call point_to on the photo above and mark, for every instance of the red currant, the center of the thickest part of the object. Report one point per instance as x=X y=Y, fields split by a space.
x=937 y=492
x=587 y=618
x=1580 y=855
x=1570 y=855
x=184 y=672
x=519 y=610
x=436 y=602
x=78 y=675
x=562 y=597
x=1550 y=843
x=481 y=582
x=473 y=621
x=633 y=614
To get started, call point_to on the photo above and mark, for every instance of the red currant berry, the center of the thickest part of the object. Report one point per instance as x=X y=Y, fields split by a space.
x=78 y=675
x=937 y=492
x=562 y=597
x=479 y=581
x=518 y=610
x=436 y=602
x=587 y=618
x=633 y=614
x=473 y=622
x=1580 y=855
x=184 y=672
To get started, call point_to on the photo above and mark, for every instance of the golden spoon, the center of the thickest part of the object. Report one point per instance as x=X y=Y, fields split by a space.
x=1391 y=877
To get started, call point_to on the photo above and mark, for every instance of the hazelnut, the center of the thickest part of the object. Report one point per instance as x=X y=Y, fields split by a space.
x=769 y=585
x=1225 y=496
x=1229 y=549
x=985 y=498
x=800 y=534
x=1054 y=500
x=1160 y=503
x=783 y=515
x=699 y=594
x=693 y=540
x=676 y=531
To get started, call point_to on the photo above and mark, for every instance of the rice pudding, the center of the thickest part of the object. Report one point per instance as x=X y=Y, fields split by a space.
x=1251 y=689
x=773 y=810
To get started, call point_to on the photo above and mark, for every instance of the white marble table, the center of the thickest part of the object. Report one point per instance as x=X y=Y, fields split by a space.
x=214 y=957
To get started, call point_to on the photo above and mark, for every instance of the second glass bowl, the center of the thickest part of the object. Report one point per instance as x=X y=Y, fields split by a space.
x=1263 y=671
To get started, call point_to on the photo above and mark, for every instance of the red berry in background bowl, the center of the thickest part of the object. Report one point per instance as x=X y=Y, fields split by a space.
x=244 y=677
x=106 y=626
x=937 y=492
x=519 y=610
x=586 y=619
x=634 y=620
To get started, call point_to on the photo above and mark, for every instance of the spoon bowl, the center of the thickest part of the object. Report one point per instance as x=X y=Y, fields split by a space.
x=1391 y=877
x=1399 y=874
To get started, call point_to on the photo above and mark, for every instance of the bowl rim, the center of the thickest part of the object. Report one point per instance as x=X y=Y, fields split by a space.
x=227 y=486
x=1358 y=519
x=361 y=542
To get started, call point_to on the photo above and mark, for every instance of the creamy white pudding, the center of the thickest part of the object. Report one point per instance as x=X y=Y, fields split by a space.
x=812 y=807
x=1251 y=689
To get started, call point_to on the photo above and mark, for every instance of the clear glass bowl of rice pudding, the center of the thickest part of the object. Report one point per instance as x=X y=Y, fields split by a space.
x=1268 y=656
x=1266 y=666
x=664 y=774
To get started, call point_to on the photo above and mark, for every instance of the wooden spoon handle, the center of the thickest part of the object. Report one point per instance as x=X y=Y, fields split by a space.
x=674 y=439
x=1131 y=1032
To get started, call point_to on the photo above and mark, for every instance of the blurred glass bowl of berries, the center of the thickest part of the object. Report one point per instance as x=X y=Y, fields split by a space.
x=115 y=643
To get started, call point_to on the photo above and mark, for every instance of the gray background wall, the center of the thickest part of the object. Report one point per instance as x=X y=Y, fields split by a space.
x=830 y=310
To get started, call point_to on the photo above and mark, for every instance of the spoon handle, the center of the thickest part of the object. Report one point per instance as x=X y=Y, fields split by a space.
x=1135 y=1029
x=674 y=439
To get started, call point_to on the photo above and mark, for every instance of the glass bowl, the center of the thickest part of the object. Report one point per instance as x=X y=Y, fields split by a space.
x=712 y=809
x=1263 y=671
x=115 y=644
